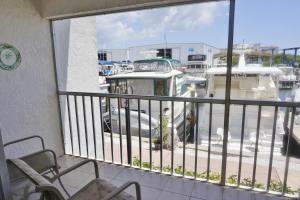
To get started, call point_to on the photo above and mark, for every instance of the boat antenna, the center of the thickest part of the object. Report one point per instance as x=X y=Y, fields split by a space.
x=166 y=45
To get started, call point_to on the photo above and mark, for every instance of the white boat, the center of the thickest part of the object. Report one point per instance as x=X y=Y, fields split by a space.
x=151 y=77
x=248 y=81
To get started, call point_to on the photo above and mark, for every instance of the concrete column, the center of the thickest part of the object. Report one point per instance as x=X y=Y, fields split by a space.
x=77 y=70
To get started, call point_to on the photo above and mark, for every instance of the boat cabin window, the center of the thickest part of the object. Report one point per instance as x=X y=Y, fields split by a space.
x=112 y=86
x=161 y=87
x=152 y=65
x=120 y=84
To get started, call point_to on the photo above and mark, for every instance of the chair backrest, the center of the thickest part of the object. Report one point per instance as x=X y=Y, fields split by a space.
x=50 y=191
x=46 y=158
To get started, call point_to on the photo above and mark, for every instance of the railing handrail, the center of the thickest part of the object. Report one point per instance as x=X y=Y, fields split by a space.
x=145 y=97
x=187 y=99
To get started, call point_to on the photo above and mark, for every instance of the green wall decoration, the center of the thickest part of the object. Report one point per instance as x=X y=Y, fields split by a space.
x=10 y=57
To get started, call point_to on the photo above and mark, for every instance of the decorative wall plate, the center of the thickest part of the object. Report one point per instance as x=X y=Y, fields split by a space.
x=10 y=57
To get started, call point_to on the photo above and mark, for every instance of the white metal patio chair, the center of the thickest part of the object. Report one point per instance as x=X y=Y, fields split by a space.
x=47 y=165
x=97 y=189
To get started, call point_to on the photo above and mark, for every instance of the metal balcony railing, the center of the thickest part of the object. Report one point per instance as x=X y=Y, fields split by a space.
x=79 y=118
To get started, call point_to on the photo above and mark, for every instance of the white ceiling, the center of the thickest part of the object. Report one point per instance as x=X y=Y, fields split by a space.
x=57 y=9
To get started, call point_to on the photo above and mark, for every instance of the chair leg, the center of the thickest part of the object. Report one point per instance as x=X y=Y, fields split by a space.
x=138 y=191
x=60 y=182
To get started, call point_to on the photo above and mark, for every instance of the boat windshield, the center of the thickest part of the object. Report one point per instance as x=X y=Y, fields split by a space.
x=152 y=65
x=176 y=64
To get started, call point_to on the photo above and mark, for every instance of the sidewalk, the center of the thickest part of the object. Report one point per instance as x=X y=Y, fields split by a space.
x=215 y=160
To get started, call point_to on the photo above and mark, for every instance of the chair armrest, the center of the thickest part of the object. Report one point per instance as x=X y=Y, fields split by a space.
x=27 y=138
x=48 y=189
x=122 y=188
x=62 y=173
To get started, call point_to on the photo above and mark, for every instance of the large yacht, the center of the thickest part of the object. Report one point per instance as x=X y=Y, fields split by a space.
x=248 y=81
x=151 y=77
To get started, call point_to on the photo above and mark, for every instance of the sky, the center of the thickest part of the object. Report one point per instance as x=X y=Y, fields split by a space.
x=269 y=22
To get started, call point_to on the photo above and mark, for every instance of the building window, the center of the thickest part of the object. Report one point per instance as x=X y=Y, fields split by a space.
x=164 y=53
x=102 y=56
x=197 y=57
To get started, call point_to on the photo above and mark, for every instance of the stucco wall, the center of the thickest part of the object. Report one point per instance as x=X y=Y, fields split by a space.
x=76 y=54
x=28 y=101
x=77 y=70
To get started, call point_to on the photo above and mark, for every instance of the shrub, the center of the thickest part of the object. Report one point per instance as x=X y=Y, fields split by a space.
x=167 y=168
x=275 y=185
x=179 y=170
x=136 y=161
x=232 y=179
x=146 y=165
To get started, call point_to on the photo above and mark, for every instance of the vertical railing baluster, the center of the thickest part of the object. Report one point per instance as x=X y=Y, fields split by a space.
x=102 y=128
x=184 y=137
x=227 y=90
x=209 y=141
x=196 y=140
x=77 y=124
x=241 y=145
x=256 y=146
x=140 y=137
x=93 y=125
x=111 y=133
x=85 y=126
x=128 y=133
x=161 y=134
x=272 y=147
x=120 y=130
x=287 y=160
x=70 y=124
x=172 y=138
x=150 y=135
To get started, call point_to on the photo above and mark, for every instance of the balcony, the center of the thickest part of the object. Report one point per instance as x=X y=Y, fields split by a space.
x=253 y=160
x=187 y=170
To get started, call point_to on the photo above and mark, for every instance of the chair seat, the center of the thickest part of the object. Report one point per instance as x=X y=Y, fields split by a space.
x=98 y=189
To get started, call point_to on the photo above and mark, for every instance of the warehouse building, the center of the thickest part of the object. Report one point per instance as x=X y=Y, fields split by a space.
x=193 y=55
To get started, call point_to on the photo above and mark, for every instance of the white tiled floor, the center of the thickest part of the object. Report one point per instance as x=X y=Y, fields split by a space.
x=153 y=186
